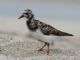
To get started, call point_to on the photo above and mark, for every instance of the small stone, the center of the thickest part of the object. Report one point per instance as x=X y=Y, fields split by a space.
x=0 y=49
x=11 y=39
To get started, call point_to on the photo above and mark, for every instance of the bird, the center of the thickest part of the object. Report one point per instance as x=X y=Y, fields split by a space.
x=41 y=31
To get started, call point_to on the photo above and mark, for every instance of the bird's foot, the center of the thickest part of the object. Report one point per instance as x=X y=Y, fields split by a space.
x=40 y=50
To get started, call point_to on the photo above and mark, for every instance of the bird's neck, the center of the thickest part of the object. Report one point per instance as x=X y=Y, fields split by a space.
x=31 y=18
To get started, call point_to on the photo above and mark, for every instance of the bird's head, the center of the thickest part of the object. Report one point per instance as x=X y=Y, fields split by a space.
x=26 y=14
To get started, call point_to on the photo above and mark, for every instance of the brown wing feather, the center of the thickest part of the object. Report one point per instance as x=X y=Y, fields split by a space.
x=48 y=30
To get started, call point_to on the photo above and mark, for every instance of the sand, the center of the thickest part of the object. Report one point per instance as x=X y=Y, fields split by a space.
x=15 y=47
x=16 y=44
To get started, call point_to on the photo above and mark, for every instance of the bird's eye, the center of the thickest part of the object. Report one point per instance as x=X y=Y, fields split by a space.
x=26 y=13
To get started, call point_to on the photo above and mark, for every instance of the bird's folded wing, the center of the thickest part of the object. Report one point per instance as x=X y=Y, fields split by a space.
x=49 y=30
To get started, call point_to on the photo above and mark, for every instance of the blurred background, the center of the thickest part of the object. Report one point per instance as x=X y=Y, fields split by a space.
x=50 y=9
x=63 y=14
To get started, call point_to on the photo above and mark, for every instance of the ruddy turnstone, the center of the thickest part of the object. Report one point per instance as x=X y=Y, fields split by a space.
x=42 y=31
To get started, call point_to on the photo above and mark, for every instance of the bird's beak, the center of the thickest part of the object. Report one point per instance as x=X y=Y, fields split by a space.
x=21 y=17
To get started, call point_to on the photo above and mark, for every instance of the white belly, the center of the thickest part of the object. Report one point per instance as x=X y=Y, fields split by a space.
x=44 y=38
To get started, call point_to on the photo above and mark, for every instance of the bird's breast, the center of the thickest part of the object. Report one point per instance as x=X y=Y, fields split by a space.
x=31 y=25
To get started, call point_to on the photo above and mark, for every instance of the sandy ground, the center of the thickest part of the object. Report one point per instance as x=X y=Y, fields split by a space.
x=16 y=44
x=15 y=47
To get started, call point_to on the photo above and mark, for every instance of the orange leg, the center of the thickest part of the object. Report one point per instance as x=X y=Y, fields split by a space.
x=41 y=49
x=48 y=49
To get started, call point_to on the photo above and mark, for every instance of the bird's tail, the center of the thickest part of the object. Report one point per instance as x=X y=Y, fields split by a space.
x=66 y=34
